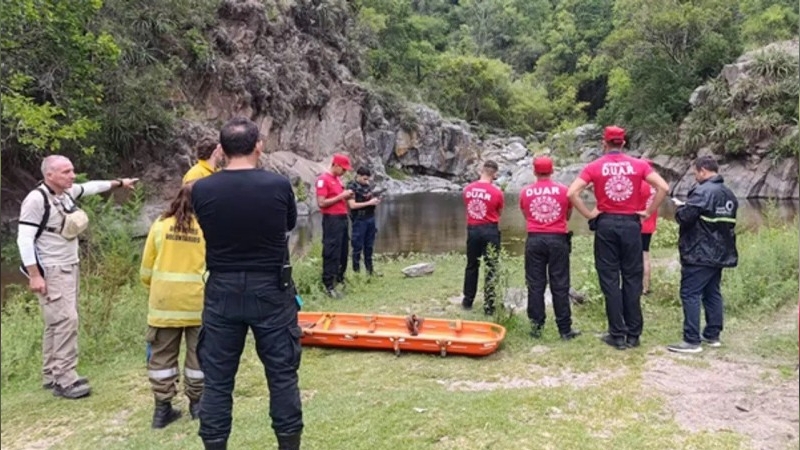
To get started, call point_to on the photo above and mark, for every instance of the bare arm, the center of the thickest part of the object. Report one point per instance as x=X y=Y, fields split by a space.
x=323 y=202
x=574 y=194
x=358 y=205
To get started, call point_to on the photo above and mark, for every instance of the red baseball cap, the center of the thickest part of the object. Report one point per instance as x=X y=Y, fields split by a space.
x=613 y=133
x=543 y=165
x=342 y=161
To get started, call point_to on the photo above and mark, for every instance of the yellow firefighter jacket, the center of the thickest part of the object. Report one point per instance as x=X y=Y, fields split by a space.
x=172 y=266
x=200 y=170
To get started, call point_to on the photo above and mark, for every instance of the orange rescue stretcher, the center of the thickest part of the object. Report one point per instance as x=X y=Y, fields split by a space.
x=400 y=333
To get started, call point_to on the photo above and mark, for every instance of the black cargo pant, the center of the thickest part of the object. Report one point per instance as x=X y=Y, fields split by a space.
x=619 y=265
x=335 y=243
x=483 y=241
x=547 y=257
x=233 y=303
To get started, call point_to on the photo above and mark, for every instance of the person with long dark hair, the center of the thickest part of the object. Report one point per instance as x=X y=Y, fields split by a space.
x=172 y=267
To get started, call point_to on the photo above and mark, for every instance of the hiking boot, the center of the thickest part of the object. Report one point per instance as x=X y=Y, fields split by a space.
x=715 y=343
x=617 y=343
x=685 y=347
x=220 y=444
x=571 y=334
x=536 y=331
x=632 y=341
x=466 y=303
x=288 y=441
x=194 y=409
x=72 y=392
x=164 y=414
x=52 y=384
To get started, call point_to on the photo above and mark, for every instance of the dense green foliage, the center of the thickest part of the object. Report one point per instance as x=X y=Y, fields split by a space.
x=537 y=64
x=92 y=79
x=102 y=80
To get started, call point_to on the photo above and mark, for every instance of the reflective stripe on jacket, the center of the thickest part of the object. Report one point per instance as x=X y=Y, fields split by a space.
x=708 y=225
x=172 y=266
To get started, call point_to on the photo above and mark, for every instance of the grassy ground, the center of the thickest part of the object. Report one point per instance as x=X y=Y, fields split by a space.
x=528 y=395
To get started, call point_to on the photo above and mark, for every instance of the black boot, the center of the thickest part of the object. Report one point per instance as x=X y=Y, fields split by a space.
x=221 y=444
x=194 y=409
x=164 y=414
x=288 y=441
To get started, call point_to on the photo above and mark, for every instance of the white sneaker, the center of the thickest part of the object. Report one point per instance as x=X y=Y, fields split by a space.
x=685 y=347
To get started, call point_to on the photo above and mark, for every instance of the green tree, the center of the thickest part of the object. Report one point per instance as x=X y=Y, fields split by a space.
x=51 y=85
x=667 y=49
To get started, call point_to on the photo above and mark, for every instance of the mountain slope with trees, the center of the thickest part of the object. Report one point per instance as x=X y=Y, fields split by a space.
x=110 y=83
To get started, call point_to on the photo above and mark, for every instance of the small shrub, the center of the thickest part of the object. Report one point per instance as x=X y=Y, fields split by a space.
x=666 y=235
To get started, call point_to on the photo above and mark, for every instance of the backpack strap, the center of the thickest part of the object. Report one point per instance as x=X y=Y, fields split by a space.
x=45 y=217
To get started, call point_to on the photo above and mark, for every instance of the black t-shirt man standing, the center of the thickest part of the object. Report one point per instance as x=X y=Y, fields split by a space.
x=245 y=213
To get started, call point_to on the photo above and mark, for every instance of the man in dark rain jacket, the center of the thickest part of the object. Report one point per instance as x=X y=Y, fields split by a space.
x=707 y=244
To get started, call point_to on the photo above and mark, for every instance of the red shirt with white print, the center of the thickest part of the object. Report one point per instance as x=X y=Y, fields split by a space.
x=617 y=180
x=648 y=193
x=545 y=206
x=484 y=203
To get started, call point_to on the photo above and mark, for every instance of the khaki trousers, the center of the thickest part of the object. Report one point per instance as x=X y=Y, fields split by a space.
x=162 y=364
x=60 y=313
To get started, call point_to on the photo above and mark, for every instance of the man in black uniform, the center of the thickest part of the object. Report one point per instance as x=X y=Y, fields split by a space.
x=245 y=213
x=362 y=216
x=617 y=180
x=707 y=244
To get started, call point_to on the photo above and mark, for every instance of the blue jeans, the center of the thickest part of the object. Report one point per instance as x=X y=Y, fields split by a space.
x=364 y=231
x=700 y=285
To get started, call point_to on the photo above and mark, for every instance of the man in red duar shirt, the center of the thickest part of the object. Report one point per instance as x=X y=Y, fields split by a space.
x=332 y=201
x=616 y=221
x=484 y=204
x=648 y=193
x=547 y=209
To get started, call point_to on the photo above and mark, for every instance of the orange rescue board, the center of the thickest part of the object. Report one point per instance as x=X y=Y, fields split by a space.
x=399 y=333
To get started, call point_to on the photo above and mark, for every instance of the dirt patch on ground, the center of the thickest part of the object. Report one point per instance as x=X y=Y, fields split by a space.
x=710 y=395
x=540 y=377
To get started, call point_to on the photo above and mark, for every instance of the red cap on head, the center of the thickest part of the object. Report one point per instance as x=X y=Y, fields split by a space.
x=342 y=161
x=614 y=134
x=542 y=165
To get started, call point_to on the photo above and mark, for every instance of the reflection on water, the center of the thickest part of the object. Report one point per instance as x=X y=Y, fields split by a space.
x=435 y=223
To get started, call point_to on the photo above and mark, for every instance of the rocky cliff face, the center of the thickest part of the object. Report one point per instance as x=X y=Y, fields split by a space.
x=744 y=97
x=296 y=86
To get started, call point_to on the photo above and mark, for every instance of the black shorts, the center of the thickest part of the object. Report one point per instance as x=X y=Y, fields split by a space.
x=646 y=241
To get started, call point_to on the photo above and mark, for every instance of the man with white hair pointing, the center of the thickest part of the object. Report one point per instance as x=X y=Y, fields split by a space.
x=49 y=224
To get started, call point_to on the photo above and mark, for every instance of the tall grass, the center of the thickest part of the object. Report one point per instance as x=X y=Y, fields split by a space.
x=766 y=277
x=113 y=305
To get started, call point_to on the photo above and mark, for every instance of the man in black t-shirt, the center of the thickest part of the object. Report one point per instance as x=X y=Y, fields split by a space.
x=362 y=216
x=245 y=213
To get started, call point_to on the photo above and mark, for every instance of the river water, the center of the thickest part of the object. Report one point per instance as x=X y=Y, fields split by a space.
x=436 y=223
